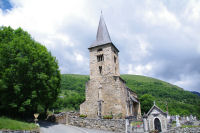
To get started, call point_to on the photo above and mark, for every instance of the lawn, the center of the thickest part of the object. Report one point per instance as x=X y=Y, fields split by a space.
x=7 y=123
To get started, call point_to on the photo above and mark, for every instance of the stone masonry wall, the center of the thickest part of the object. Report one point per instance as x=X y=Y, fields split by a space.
x=184 y=130
x=103 y=124
x=72 y=118
x=112 y=91
x=109 y=67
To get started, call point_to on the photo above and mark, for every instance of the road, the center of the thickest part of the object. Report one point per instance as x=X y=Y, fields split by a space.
x=61 y=128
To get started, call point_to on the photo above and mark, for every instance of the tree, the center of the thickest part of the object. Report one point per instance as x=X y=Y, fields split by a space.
x=146 y=101
x=29 y=76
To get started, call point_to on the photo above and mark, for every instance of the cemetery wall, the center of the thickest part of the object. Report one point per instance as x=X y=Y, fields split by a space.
x=184 y=130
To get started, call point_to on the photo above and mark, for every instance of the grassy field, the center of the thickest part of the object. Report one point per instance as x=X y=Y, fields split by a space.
x=7 y=123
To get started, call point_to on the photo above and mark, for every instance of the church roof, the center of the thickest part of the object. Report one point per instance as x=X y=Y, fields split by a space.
x=102 y=36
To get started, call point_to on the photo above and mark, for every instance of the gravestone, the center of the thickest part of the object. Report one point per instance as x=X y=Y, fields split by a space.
x=195 y=118
x=187 y=118
x=191 y=118
x=177 y=121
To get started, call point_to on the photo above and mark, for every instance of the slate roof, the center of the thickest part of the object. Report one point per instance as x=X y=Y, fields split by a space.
x=102 y=36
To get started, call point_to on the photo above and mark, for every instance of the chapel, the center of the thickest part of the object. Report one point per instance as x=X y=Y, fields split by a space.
x=155 y=119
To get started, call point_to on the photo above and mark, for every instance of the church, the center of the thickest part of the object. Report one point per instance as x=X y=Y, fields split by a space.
x=106 y=92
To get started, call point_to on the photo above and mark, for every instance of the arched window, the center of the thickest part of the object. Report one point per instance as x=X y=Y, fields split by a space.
x=115 y=59
x=100 y=69
x=100 y=58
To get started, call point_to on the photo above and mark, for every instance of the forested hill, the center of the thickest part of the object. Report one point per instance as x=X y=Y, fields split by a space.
x=179 y=101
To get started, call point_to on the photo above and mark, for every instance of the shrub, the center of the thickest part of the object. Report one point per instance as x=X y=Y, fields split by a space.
x=173 y=122
x=119 y=115
x=82 y=116
x=107 y=116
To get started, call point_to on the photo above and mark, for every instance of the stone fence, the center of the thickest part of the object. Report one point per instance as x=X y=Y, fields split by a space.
x=116 y=125
x=184 y=130
x=72 y=118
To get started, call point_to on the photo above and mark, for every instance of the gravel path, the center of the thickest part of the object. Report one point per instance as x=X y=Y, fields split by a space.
x=46 y=127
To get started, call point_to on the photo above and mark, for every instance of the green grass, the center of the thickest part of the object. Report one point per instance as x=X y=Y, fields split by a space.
x=7 y=123
x=189 y=126
x=136 y=123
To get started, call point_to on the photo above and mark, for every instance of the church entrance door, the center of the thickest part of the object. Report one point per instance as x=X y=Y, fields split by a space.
x=157 y=124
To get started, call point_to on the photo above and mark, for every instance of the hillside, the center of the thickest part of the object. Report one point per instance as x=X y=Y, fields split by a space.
x=197 y=93
x=179 y=101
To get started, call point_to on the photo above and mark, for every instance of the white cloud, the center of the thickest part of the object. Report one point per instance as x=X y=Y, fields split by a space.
x=192 y=11
x=159 y=15
x=42 y=17
x=140 y=69
x=78 y=57
x=189 y=82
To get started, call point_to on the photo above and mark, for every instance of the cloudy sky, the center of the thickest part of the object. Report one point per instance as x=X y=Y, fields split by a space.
x=156 y=38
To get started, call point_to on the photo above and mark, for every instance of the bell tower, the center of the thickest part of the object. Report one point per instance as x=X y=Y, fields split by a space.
x=103 y=54
x=106 y=91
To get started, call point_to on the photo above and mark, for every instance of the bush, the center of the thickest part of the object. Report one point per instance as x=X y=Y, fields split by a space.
x=107 y=116
x=173 y=122
x=119 y=116
x=82 y=116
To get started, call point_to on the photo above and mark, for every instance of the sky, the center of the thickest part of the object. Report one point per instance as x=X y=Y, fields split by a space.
x=156 y=38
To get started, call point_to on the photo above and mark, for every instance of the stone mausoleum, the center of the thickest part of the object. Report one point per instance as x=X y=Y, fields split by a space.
x=106 y=92
x=155 y=119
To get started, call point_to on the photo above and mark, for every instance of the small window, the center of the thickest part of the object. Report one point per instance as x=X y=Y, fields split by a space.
x=115 y=59
x=100 y=58
x=100 y=69
x=100 y=49
x=115 y=52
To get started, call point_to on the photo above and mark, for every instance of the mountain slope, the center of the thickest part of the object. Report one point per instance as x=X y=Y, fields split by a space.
x=197 y=93
x=160 y=89
x=179 y=101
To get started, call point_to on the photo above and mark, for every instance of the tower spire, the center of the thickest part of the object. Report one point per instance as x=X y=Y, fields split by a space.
x=102 y=33
x=102 y=36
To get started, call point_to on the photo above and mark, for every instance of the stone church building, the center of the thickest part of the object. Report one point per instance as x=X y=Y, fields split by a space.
x=106 y=92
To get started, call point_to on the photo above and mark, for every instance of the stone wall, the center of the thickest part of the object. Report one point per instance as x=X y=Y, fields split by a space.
x=113 y=94
x=184 y=130
x=103 y=124
x=72 y=118
x=60 y=118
